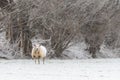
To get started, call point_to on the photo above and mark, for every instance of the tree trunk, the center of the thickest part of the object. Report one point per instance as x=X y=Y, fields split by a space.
x=93 y=49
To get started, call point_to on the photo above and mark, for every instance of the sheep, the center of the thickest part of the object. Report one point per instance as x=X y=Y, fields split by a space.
x=39 y=51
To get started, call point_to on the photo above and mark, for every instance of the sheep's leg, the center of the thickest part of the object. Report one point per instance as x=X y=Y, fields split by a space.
x=35 y=61
x=38 y=61
x=43 y=60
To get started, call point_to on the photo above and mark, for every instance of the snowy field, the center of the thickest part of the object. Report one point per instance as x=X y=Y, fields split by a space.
x=89 y=69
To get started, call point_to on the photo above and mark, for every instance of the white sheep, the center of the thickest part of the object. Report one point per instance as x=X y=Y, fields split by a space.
x=39 y=51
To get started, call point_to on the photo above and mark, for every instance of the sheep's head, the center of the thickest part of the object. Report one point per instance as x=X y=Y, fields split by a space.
x=36 y=45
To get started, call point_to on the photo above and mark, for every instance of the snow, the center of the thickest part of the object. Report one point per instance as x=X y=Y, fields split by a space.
x=89 y=69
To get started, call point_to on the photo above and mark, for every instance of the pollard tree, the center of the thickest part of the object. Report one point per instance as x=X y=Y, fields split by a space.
x=104 y=20
x=94 y=27
x=94 y=34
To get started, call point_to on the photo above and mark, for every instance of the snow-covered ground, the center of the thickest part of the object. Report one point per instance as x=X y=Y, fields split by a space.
x=89 y=69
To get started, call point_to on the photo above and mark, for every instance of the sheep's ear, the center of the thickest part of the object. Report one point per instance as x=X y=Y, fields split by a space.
x=34 y=45
x=39 y=45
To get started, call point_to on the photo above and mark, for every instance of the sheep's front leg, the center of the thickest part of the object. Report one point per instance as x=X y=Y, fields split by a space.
x=38 y=60
x=43 y=60
x=35 y=61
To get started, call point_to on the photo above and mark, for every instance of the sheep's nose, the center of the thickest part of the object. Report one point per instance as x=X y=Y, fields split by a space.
x=38 y=56
x=34 y=56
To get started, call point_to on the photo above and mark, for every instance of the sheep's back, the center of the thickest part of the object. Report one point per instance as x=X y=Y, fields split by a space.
x=43 y=50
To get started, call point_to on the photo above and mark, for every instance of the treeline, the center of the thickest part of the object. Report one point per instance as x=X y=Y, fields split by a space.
x=61 y=22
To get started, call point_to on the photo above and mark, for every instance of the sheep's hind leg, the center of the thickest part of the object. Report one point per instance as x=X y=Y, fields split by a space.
x=38 y=60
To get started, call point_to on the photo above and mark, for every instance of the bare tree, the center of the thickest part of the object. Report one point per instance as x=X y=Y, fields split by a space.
x=3 y=3
x=60 y=22
x=112 y=39
x=17 y=29
x=61 y=28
